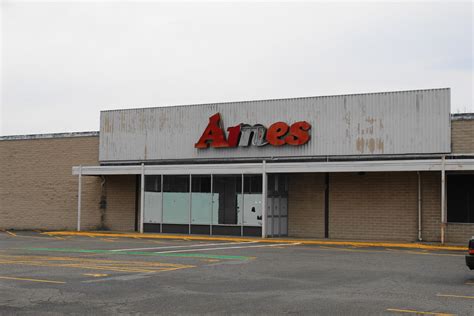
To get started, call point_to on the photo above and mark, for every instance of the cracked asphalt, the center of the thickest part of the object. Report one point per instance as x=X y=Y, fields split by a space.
x=47 y=275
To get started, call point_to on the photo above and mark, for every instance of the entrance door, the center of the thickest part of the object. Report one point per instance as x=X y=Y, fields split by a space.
x=277 y=203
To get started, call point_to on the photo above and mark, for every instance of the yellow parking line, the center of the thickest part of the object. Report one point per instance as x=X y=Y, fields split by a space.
x=456 y=296
x=263 y=240
x=32 y=280
x=10 y=233
x=412 y=311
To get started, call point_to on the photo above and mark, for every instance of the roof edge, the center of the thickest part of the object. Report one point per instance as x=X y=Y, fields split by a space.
x=276 y=99
x=50 y=135
x=462 y=116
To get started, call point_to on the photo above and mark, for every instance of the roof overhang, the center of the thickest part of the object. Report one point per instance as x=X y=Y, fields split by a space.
x=282 y=167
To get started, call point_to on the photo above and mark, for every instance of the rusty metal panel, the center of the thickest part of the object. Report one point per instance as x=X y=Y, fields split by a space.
x=391 y=123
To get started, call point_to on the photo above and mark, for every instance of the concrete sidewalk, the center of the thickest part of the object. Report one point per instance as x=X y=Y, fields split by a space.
x=303 y=241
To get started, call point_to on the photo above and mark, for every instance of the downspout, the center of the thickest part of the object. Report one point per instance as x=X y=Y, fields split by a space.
x=419 y=207
x=102 y=203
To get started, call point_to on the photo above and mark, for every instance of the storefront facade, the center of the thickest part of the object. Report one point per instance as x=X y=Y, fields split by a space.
x=381 y=166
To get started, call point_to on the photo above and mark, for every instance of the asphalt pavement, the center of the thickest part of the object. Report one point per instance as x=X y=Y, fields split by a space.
x=55 y=275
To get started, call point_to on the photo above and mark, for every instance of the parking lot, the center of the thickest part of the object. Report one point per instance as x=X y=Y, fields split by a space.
x=46 y=274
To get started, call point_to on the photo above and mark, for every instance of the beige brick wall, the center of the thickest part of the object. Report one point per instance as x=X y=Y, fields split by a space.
x=459 y=233
x=431 y=206
x=121 y=195
x=38 y=190
x=306 y=205
x=462 y=136
x=431 y=218
x=373 y=206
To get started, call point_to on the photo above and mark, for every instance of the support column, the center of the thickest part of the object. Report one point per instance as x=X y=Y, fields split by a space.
x=79 y=198
x=264 y=200
x=443 y=201
x=142 y=197
x=419 y=207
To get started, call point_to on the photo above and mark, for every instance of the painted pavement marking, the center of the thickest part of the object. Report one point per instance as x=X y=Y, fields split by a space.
x=96 y=275
x=142 y=253
x=225 y=248
x=186 y=246
x=31 y=280
x=389 y=250
x=455 y=296
x=92 y=264
x=411 y=311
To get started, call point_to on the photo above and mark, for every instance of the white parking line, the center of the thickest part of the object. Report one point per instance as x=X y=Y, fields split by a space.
x=187 y=246
x=224 y=248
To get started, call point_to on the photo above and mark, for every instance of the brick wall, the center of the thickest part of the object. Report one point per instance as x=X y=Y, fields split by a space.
x=38 y=190
x=431 y=206
x=121 y=196
x=462 y=136
x=373 y=206
x=306 y=205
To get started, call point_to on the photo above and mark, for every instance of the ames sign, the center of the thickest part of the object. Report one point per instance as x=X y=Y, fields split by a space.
x=243 y=135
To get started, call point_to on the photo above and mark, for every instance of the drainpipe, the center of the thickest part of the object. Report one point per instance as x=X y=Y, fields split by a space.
x=443 y=201
x=419 y=206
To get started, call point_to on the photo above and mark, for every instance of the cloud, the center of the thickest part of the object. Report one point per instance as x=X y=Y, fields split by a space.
x=64 y=62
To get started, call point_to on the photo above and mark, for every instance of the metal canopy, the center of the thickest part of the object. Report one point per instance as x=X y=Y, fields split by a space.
x=264 y=168
x=283 y=167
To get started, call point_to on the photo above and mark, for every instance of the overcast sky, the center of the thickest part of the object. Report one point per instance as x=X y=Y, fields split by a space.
x=64 y=62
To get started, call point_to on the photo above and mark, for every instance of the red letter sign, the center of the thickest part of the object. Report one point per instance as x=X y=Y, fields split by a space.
x=213 y=134
x=298 y=133
x=275 y=131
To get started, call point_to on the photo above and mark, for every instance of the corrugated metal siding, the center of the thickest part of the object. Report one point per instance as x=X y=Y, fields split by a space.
x=408 y=122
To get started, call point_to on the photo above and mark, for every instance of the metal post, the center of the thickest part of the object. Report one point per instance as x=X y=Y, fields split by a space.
x=212 y=203
x=79 y=197
x=419 y=207
x=264 y=200
x=142 y=197
x=443 y=201
x=190 y=204
x=161 y=210
x=242 y=209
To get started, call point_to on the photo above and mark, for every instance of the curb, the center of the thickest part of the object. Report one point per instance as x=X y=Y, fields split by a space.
x=263 y=240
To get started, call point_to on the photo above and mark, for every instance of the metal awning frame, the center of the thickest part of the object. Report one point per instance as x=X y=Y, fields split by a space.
x=441 y=165
x=283 y=167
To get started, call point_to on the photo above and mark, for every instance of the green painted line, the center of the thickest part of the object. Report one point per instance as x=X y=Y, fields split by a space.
x=140 y=253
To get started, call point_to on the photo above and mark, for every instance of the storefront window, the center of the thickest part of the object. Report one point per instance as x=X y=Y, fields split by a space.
x=201 y=200
x=152 y=203
x=252 y=210
x=176 y=199
x=227 y=199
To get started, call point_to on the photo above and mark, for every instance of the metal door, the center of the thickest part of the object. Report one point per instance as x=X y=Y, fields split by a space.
x=277 y=205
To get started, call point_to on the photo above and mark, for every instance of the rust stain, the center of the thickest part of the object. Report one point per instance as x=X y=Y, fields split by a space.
x=360 y=145
x=380 y=145
x=371 y=145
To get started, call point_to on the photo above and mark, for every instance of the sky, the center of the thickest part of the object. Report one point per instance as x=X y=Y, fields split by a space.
x=64 y=62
